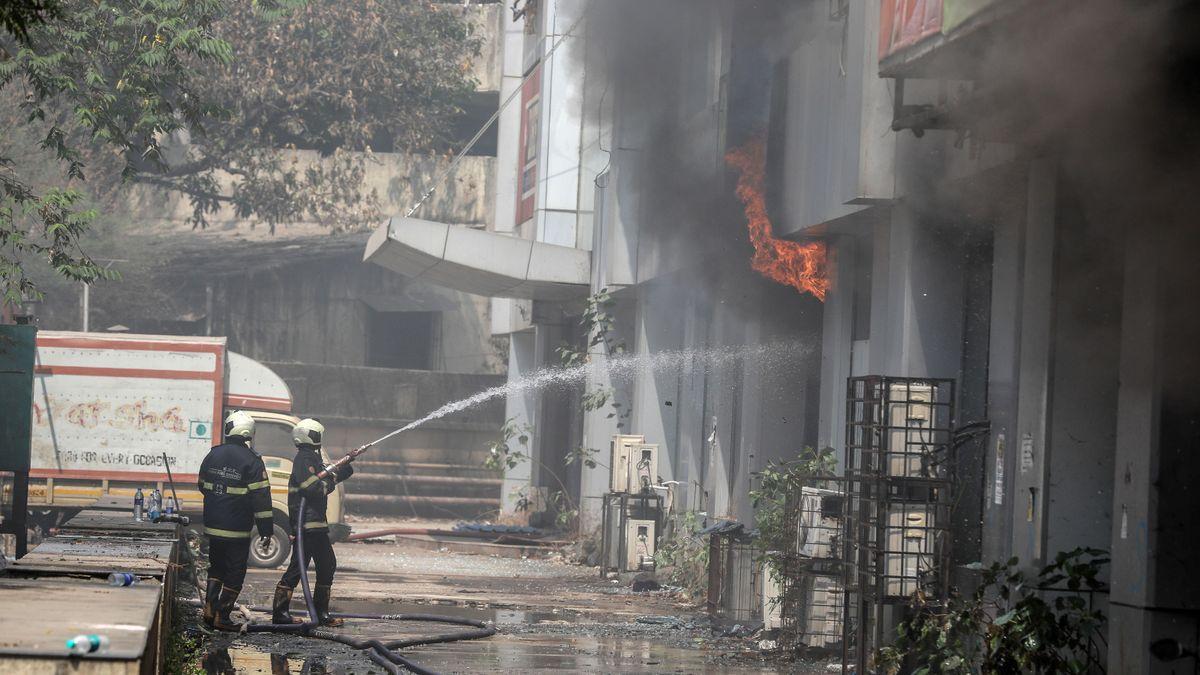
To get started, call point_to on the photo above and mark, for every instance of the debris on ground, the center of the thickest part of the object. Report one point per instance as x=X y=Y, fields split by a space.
x=644 y=583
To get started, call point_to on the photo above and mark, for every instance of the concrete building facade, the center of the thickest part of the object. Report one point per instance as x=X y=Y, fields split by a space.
x=982 y=223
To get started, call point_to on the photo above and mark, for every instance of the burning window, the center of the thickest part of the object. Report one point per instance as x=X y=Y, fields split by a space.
x=801 y=265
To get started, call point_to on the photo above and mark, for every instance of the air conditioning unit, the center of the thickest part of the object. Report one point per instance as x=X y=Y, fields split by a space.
x=639 y=544
x=634 y=467
x=772 y=592
x=909 y=548
x=912 y=440
x=621 y=459
x=819 y=525
x=823 y=611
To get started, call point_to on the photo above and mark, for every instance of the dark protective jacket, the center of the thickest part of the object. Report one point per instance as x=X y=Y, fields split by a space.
x=304 y=482
x=237 y=493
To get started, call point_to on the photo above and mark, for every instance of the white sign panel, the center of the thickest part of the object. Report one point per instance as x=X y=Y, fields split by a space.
x=142 y=359
x=120 y=424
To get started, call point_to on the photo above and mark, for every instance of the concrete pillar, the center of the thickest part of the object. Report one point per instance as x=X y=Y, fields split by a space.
x=753 y=445
x=916 y=301
x=508 y=132
x=1134 y=546
x=693 y=425
x=836 y=346
x=521 y=407
x=1028 y=444
x=659 y=328
x=1003 y=353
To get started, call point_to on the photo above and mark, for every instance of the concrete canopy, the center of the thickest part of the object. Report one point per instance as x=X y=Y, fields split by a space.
x=479 y=262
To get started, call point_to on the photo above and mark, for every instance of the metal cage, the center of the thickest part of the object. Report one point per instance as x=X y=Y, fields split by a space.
x=899 y=477
x=734 y=583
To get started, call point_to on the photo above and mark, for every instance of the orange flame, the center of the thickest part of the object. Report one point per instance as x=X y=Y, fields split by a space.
x=801 y=265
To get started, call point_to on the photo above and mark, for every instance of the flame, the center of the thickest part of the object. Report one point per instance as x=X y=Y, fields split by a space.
x=801 y=265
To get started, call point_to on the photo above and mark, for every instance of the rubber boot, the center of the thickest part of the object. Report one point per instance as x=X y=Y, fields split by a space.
x=225 y=605
x=321 y=603
x=280 y=606
x=211 y=592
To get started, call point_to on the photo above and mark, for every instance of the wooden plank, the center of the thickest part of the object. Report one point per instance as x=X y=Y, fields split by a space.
x=116 y=523
x=111 y=502
x=99 y=555
x=37 y=617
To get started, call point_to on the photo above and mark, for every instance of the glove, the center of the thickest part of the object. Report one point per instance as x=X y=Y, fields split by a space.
x=263 y=542
x=344 y=473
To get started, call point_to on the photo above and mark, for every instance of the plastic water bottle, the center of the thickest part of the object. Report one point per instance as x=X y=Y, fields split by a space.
x=139 y=501
x=155 y=505
x=122 y=579
x=87 y=644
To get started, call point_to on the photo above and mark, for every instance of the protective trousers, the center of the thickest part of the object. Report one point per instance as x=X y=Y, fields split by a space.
x=317 y=548
x=227 y=560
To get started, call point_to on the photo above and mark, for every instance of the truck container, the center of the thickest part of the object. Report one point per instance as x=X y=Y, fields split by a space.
x=106 y=407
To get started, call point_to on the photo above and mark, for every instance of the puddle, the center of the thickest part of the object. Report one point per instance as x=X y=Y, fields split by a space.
x=500 y=617
x=244 y=660
x=515 y=654
x=580 y=654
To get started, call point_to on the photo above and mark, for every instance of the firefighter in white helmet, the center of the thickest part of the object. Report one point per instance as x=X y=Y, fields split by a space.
x=307 y=435
x=237 y=501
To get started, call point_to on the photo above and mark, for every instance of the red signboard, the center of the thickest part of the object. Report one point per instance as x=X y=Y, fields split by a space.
x=903 y=23
x=527 y=162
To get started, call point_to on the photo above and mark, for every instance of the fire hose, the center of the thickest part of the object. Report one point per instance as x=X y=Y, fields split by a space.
x=384 y=654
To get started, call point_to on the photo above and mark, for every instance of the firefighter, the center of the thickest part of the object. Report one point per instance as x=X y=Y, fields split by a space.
x=317 y=546
x=237 y=500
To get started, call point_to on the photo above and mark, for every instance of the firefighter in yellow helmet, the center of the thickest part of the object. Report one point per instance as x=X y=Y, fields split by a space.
x=317 y=546
x=237 y=500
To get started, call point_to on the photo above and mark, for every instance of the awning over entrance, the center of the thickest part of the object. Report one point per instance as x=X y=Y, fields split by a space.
x=475 y=261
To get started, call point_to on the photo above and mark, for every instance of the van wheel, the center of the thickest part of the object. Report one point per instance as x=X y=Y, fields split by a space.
x=276 y=551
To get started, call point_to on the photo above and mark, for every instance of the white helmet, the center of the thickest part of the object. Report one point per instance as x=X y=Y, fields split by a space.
x=239 y=423
x=308 y=432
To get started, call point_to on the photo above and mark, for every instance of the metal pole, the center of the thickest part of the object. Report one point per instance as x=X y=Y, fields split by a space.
x=171 y=479
x=85 y=308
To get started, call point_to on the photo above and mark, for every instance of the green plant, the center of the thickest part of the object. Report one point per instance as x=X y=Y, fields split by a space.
x=597 y=321
x=184 y=650
x=114 y=86
x=1011 y=624
x=777 y=484
x=586 y=456
x=683 y=556
x=501 y=454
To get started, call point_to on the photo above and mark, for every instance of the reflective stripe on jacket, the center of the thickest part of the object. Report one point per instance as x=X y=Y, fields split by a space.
x=304 y=482
x=237 y=493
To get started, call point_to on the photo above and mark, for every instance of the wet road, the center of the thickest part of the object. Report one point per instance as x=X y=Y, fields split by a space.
x=551 y=617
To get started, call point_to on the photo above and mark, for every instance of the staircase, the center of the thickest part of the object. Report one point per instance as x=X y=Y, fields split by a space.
x=433 y=471
x=423 y=489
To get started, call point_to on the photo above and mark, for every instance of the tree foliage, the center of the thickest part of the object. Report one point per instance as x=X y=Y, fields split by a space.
x=1013 y=623
x=205 y=97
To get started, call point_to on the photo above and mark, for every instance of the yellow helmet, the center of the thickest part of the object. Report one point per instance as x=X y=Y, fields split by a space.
x=308 y=432
x=239 y=423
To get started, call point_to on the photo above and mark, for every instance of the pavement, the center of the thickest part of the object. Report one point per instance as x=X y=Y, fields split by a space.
x=552 y=616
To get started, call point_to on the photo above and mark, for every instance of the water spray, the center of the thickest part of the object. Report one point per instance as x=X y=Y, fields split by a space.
x=771 y=355
x=385 y=654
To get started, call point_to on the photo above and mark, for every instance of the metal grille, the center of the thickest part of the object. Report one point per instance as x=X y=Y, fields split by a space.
x=734 y=581
x=899 y=477
x=811 y=597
